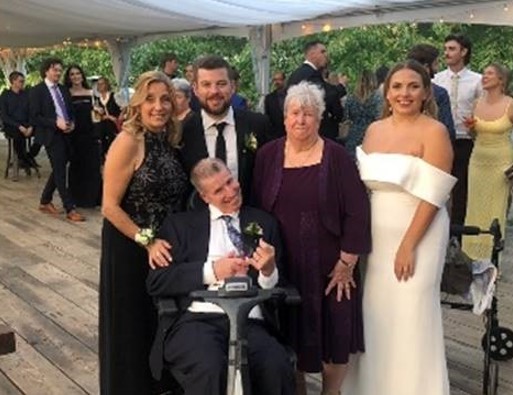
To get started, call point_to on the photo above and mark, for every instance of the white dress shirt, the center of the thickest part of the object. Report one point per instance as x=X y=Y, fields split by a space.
x=230 y=136
x=219 y=246
x=464 y=88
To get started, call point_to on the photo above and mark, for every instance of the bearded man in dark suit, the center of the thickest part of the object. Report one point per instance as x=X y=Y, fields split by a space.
x=219 y=130
x=206 y=249
x=316 y=61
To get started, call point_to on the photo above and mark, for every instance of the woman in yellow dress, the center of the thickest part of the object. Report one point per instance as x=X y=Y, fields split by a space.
x=488 y=186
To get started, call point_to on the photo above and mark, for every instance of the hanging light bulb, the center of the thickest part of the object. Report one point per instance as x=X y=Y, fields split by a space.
x=506 y=9
x=326 y=27
x=471 y=16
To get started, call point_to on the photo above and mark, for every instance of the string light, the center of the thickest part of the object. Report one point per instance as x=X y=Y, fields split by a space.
x=326 y=27
x=471 y=15
x=442 y=20
x=506 y=9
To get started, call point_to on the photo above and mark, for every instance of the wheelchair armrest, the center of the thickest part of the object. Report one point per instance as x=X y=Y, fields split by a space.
x=167 y=307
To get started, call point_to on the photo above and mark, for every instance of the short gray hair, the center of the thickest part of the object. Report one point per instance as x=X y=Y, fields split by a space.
x=206 y=168
x=306 y=94
x=182 y=85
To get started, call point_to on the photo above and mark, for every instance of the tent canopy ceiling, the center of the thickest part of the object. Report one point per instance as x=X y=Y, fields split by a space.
x=33 y=23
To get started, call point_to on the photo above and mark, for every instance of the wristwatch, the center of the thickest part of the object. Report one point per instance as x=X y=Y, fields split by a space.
x=144 y=237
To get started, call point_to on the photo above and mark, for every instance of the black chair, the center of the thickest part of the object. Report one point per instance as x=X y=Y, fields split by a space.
x=12 y=162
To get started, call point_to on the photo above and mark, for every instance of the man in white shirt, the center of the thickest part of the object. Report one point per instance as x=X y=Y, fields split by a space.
x=464 y=87
x=208 y=247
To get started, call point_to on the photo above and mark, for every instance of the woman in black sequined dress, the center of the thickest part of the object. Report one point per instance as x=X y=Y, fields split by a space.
x=143 y=181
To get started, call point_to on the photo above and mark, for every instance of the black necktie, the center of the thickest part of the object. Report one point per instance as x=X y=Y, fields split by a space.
x=220 y=142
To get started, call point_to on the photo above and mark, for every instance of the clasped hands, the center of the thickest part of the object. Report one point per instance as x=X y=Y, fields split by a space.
x=64 y=126
x=341 y=277
x=262 y=259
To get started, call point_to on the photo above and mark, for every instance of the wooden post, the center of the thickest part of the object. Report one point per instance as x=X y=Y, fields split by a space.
x=7 y=342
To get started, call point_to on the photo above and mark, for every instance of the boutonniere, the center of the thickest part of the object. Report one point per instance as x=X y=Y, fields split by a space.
x=253 y=229
x=251 y=142
x=251 y=236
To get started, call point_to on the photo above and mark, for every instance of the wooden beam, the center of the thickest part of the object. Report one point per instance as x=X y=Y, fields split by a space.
x=7 y=342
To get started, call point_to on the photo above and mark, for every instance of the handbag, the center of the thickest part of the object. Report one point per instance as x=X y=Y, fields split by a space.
x=457 y=274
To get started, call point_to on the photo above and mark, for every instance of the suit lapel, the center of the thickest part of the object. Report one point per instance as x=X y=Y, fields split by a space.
x=200 y=233
x=242 y=130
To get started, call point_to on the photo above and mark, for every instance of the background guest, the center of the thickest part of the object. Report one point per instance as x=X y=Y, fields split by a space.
x=362 y=108
x=316 y=61
x=488 y=187
x=51 y=114
x=143 y=181
x=464 y=88
x=14 y=112
x=84 y=170
x=427 y=55
x=311 y=186
x=169 y=65
x=273 y=104
x=238 y=101
x=182 y=98
x=108 y=111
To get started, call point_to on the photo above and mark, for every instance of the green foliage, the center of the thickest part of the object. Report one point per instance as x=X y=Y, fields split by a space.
x=350 y=50
x=93 y=60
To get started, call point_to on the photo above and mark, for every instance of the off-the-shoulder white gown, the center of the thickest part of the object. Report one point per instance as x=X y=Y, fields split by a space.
x=404 y=344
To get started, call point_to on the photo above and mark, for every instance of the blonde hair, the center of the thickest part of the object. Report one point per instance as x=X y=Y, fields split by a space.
x=133 y=123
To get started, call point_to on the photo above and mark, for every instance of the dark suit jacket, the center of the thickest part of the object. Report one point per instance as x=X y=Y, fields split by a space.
x=189 y=234
x=444 y=109
x=334 y=112
x=194 y=146
x=42 y=112
x=273 y=108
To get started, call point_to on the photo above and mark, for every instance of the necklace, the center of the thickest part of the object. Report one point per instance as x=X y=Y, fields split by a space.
x=300 y=158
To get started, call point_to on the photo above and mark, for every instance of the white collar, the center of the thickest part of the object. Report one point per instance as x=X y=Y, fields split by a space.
x=215 y=213
x=50 y=84
x=208 y=121
x=310 y=64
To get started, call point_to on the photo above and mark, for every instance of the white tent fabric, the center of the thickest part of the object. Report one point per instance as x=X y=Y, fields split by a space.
x=126 y=23
x=45 y=22
x=31 y=23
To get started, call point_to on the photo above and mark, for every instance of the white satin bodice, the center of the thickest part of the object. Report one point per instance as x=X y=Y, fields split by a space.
x=407 y=173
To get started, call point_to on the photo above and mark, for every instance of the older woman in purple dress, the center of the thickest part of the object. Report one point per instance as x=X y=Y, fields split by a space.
x=312 y=187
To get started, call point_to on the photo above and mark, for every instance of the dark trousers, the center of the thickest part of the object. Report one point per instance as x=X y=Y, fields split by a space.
x=462 y=151
x=59 y=153
x=197 y=353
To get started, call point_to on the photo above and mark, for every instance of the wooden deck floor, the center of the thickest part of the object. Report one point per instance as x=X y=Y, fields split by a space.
x=49 y=293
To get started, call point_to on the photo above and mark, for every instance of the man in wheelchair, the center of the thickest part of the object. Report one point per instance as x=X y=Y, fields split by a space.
x=207 y=246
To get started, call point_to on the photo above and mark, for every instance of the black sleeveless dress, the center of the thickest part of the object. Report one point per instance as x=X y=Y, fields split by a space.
x=84 y=169
x=127 y=316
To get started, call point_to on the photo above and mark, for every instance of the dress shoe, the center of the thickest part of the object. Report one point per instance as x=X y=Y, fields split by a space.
x=48 y=208
x=75 y=216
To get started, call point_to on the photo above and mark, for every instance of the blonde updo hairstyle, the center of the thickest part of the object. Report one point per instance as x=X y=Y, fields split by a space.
x=429 y=106
x=133 y=123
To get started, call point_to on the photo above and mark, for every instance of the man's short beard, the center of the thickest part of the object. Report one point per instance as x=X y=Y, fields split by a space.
x=221 y=111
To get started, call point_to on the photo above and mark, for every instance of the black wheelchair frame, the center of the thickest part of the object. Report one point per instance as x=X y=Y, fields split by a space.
x=237 y=297
x=497 y=342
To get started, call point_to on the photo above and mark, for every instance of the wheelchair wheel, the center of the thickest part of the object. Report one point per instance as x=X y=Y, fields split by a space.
x=493 y=378
x=501 y=343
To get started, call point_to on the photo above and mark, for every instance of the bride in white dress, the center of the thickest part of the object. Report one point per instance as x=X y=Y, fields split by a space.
x=405 y=161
